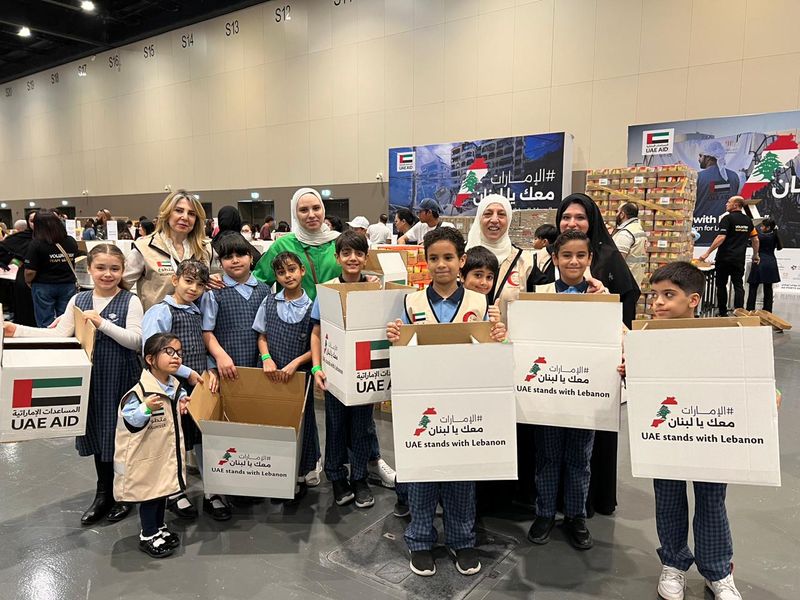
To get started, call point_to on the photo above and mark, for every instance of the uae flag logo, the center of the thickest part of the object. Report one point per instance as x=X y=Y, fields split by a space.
x=476 y=171
x=774 y=157
x=56 y=391
x=372 y=355
x=658 y=137
x=419 y=317
x=405 y=161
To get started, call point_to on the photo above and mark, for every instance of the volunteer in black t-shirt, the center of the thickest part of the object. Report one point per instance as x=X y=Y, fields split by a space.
x=47 y=269
x=733 y=232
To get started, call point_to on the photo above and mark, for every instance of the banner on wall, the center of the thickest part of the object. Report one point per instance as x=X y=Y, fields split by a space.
x=755 y=156
x=532 y=171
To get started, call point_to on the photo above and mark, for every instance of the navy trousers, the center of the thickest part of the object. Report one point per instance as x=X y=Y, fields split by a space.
x=346 y=425
x=458 y=501
x=570 y=450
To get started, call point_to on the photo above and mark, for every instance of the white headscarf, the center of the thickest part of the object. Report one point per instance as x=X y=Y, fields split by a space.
x=310 y=238
x=502 y=247
x=717 y=150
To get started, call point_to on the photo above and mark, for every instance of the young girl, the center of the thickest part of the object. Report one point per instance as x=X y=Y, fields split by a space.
x=283 y=322
x=117 y=314
x=148 y=462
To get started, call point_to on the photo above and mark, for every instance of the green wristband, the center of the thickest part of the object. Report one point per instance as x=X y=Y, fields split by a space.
x=315 y=370
x=147 y=411
x=265 y=357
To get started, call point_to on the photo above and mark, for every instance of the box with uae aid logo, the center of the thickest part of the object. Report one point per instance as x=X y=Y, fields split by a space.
x=701 y=401
x=453 y=409
x=44 y=384
x=566 y=351
x=355 y=351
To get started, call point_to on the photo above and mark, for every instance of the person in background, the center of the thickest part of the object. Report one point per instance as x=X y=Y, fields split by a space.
x=715 y=183
x=266 y=228
x=404 y=220
x=88 y=230
x=335 y=223
x=631 y=240
x=131 y=229
x=146 y=227
x=765 y=271
x=3 y=230
x=209 y=228
x=360 y=226
x=123 y=233
x=248 y=232
x=229 y=222
x=283 y=227
x=13 y=250
x=733 y=232
x=379 y=233
x=543 y=239
x=428 y=212
x=49 y=268
x=103 y=216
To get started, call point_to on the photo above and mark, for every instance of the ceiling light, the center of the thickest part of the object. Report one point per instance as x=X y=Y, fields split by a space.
x=64 y=203
x=3 y=205
x=87 y=6
x=31 y=204
x=325 y=193
x=24 y=32
x=255 y=195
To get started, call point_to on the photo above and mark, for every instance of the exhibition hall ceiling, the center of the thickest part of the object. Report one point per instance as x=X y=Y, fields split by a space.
x=59 y=31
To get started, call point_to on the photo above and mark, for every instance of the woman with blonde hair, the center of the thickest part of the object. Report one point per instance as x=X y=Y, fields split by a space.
x=179 y=235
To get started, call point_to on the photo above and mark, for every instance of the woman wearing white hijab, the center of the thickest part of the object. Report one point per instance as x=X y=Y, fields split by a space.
x=490 y=230
x=310 y=239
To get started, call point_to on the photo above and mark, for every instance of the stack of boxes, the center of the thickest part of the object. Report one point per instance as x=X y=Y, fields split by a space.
x=670 y=188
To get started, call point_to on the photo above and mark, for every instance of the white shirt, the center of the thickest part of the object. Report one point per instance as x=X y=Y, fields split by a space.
x=418 y=231
x=379 y=233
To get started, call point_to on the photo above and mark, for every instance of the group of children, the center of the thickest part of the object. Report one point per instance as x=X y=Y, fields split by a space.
x=140 y=419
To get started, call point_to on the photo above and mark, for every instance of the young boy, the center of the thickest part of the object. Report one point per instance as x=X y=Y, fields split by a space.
x=283 y=322
x=480 y=270
x=564 y=448
x=678 y=289
x=444 y=301
x=179 y=314
x=544 y=238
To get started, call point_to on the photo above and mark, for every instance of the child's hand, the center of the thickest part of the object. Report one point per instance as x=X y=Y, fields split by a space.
x=154 y=402
x=499 y=332
x=288 y=371
x=596 y=286
x=55 y=323
x=393 y=331
x=183 y=405
x=494 y=313
x=621 y=369
x=778 y=398
x=320 y=380
x=195 y=378
x=270 y=369
x=94 y=317
x=215 y=282
x=373 y=279
x=9 y=329
x=226 y=368
x=213 y=381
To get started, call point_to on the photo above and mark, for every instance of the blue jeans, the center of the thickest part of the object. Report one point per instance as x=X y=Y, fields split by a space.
x=50 y=301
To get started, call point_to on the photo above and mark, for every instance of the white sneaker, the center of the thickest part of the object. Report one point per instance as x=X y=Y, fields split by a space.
x=672 y=583
x=724 y=589
x=312 y=478
x=382 y=472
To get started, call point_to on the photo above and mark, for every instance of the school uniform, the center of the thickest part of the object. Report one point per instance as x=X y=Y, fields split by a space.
x=287 y=325
x=457 y=497
x=564 y=450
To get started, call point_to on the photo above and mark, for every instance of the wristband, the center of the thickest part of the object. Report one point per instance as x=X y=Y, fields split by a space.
x=315 y=370
x=147 y=410
x=265 y=357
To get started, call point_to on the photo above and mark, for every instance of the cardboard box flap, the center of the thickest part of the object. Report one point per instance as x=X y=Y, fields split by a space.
x=228 y=430
x=389 y=264
x=445 y=333
x=205 y=406
x=85 y=331
x=42 y=343
x=255 y=399
x=569 y=297
x=651 y=324
x=359 y=305
x=391 y=285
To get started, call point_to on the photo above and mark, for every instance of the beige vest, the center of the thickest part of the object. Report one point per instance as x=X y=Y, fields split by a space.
x=160 y=265
x=637 y=257
x=149 y=463
x=509 y=281
x=473 y=308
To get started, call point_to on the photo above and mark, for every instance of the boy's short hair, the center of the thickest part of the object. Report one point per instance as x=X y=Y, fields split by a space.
x=233 y=243
x=445 y=234
x=546 y=232
x=281 y=260
x=479 y=257
x=352 y=240
x=685 y=275
x=571 y=236
x=193 y=268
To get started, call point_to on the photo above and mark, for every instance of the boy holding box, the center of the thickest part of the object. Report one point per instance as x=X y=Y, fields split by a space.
x=444 y=301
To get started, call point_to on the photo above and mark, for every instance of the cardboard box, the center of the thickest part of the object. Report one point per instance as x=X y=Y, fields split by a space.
x=252 y=434
x=387 y=266
x=44 y=387
x=355 y=351
x=453 y=409
x=566 y=351
x=701 y=401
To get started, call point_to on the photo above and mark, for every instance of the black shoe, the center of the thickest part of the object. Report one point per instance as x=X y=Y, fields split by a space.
x=119 y=511
x=577 y=533
x=467 y=561
x=244 y=500
x=342 y=492
x=364 y=497
x=539 y=533
x=300 y=491
x=170 y=537
x=155 y=546
x=99 y=509
x=422 y=563
x=401 y=510
x=190 y=512
x=218 y=513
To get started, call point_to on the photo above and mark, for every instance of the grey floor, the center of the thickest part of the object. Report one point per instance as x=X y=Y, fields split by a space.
x=270 y=552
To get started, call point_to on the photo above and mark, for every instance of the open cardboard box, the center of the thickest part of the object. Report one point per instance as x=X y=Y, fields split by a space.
x=566 y=351
x=453 y=408
x=252 y=434
x=355 y=351
x=44 y=386
x=701 y=401
x=387 y=266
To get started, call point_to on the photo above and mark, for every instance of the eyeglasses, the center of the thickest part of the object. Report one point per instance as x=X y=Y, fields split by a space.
x=170 y=351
